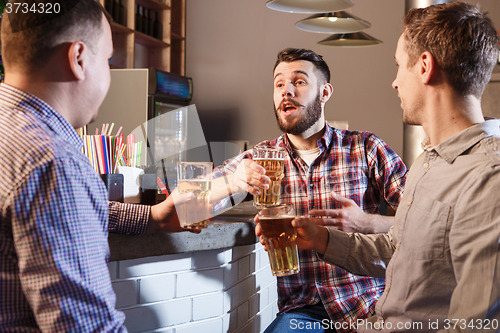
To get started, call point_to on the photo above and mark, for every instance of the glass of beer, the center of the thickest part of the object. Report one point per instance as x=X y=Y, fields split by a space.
x=279 y=237
x=194 y=177
x=273 y=160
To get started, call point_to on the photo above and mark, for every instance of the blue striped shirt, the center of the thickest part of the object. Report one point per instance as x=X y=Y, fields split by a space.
x=53 y=225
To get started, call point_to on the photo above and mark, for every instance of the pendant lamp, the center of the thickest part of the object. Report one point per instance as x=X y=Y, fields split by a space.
x=332 y=23
x=356 y=39
x=309 y=6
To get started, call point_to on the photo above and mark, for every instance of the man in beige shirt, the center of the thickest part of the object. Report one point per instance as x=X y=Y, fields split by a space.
x=441 y=258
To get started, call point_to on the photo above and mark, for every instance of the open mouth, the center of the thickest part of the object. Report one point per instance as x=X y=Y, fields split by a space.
x=287 y=108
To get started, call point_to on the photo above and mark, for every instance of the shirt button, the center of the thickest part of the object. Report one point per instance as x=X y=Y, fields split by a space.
x=311 y=185
x=426 y=165
x=409 y=203
x=379 y=324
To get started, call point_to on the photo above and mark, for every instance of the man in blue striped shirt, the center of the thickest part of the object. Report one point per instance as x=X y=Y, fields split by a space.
x=53 y=206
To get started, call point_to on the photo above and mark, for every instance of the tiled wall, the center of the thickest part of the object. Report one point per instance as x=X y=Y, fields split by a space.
x=226 y=290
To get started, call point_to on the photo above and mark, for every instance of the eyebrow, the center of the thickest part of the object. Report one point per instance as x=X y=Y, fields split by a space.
x=295 y=72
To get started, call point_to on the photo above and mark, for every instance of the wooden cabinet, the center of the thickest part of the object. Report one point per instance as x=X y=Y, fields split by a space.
x=148 y=33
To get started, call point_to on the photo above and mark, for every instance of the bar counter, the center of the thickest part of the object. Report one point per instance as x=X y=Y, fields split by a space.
x=217 y=281
x=234 y=227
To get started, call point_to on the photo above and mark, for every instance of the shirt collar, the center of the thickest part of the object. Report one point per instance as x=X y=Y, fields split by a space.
x=16 y=98
x=323 y=142
x=327 y=138
x=454 y=146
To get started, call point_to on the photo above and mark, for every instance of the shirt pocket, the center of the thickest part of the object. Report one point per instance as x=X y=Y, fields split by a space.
x=427 y=228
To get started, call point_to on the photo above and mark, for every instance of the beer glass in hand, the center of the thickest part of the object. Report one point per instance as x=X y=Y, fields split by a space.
x=273 y=160
x=279 y=237
x=194 y=177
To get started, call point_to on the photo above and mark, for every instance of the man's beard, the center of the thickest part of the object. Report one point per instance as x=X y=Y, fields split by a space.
x=308 y=117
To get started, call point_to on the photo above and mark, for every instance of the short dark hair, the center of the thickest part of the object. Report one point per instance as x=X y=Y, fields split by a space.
x=460 y=37
x=291 y=54
x=29 y=39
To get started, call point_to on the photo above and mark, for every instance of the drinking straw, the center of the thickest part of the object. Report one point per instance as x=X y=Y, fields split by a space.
x=121 y=150
x=93 y=149
x=134 y=154
x=139 y=152
x=104 y=153
x=161 y=185
x=99 y=151
x=111 y=152
x=130 y=150
x=111 y=129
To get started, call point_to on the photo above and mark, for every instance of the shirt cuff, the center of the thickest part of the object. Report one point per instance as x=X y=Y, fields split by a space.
x=337 y=249
x=128 y=218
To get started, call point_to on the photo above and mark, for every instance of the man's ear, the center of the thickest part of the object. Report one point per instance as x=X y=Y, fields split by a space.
x=326 y=92
x=77 y=56
x=428 y=67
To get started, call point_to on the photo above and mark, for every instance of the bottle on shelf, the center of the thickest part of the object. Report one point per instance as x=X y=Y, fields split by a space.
x=108 y=5
x=138 y=18
x=116 y=11
x=157 y=29
x=122 y=13
x=144 y=21
x=150 y=23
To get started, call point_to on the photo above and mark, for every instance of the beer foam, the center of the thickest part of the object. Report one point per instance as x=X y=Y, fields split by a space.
x=276 y=217
x=268 y=159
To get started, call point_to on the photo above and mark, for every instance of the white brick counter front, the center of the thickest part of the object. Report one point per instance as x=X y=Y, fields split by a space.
x=212 y=291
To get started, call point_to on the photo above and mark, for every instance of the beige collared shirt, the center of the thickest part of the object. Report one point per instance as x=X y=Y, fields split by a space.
x=442 y=254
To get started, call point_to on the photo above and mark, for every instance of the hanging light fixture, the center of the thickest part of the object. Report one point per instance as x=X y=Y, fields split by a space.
x=332 y=23
x=309 y=6
x=356 y=39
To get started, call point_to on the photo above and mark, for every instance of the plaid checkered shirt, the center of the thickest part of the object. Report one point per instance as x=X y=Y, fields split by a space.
x=355 y=165
x=54 y=225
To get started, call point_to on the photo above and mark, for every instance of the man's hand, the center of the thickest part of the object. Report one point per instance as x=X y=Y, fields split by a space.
x=249 y=176
x=311 y=235
x=350 y=218
x=258 y=231
x=164 y=217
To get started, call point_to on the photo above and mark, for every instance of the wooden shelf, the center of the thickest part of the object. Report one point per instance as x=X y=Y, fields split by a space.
x=118 y=28
x=147 y=40
x=177 y=36
x=153 y=4
x=133 y=48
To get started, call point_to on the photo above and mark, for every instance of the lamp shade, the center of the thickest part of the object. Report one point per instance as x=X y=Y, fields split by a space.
x=332 y=23
x=309 y=6
x=356 y=39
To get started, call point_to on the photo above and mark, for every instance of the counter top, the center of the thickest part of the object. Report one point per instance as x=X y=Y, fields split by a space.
x=234 y=227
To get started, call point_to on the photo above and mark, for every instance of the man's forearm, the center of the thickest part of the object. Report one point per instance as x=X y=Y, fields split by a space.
x=221 y=188
x=380 y=223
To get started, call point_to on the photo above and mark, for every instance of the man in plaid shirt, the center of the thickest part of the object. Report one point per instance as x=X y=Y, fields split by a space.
x=347 y=173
